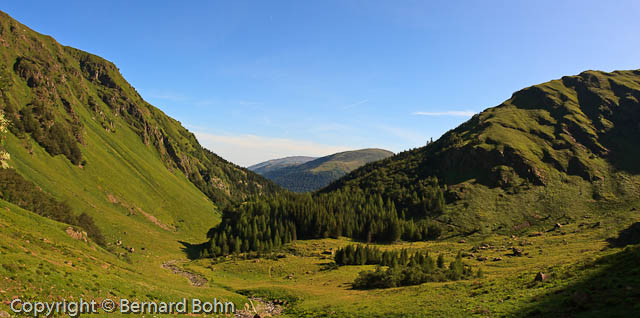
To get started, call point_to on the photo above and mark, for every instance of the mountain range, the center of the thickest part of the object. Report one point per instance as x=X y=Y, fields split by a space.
x=303 y=174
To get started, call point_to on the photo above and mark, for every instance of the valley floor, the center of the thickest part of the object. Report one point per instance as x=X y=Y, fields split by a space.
x=588 y=275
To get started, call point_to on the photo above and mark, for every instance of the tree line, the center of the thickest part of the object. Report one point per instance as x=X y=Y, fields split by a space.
x=266 y=223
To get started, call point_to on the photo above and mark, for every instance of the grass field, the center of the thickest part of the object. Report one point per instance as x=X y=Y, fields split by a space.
x=41 y=262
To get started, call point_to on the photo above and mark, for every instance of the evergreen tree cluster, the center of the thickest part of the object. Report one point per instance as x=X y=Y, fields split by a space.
x=371 y=255
x=266 y=223
x=415 y=199
x=404 y=268
x=15 y=189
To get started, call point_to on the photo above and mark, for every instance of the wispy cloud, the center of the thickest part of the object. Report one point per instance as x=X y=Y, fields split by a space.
x=246 y=150
x=461 y=113
x=364 y=101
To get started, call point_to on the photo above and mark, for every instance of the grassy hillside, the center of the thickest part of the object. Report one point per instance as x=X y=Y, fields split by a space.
x=59 y=96
x=84 y=135
x=315 y=174
x=87 y=140
x=552 y=152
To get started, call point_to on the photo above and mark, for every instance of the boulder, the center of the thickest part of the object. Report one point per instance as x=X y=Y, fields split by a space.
x=541 y=277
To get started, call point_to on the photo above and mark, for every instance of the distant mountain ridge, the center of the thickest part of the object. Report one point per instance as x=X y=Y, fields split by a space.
x=275 y=164
x=303 y=174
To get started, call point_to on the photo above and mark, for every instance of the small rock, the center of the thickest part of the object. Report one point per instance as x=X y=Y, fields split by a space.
x=541 y=277
x=517 y=251
x=558 y=225
x=118 y=243
x=4 y=314
x=131 y=250
x=481 y=258
x=497 y=259
x=462 y=241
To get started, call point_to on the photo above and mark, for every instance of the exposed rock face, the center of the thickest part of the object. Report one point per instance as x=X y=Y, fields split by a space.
x=76 y=234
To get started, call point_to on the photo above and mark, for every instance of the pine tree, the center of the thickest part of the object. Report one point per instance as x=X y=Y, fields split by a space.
x=440 y=261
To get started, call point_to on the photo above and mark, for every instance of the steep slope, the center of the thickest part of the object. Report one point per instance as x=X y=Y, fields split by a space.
x=276 y=164
x=53 y=93
x=553 y=151
x=84 y=136
x=318 y=173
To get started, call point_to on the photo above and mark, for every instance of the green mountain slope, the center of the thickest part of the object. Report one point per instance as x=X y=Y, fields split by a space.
x=276 y=164
x=315 y=174
x=58 y=95
x=84 y=136
x=553 y=151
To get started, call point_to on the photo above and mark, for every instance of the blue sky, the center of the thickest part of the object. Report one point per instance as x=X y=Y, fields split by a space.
x=258 y=80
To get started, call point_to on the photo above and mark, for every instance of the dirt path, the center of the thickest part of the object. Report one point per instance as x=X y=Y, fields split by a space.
x=196 y=280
